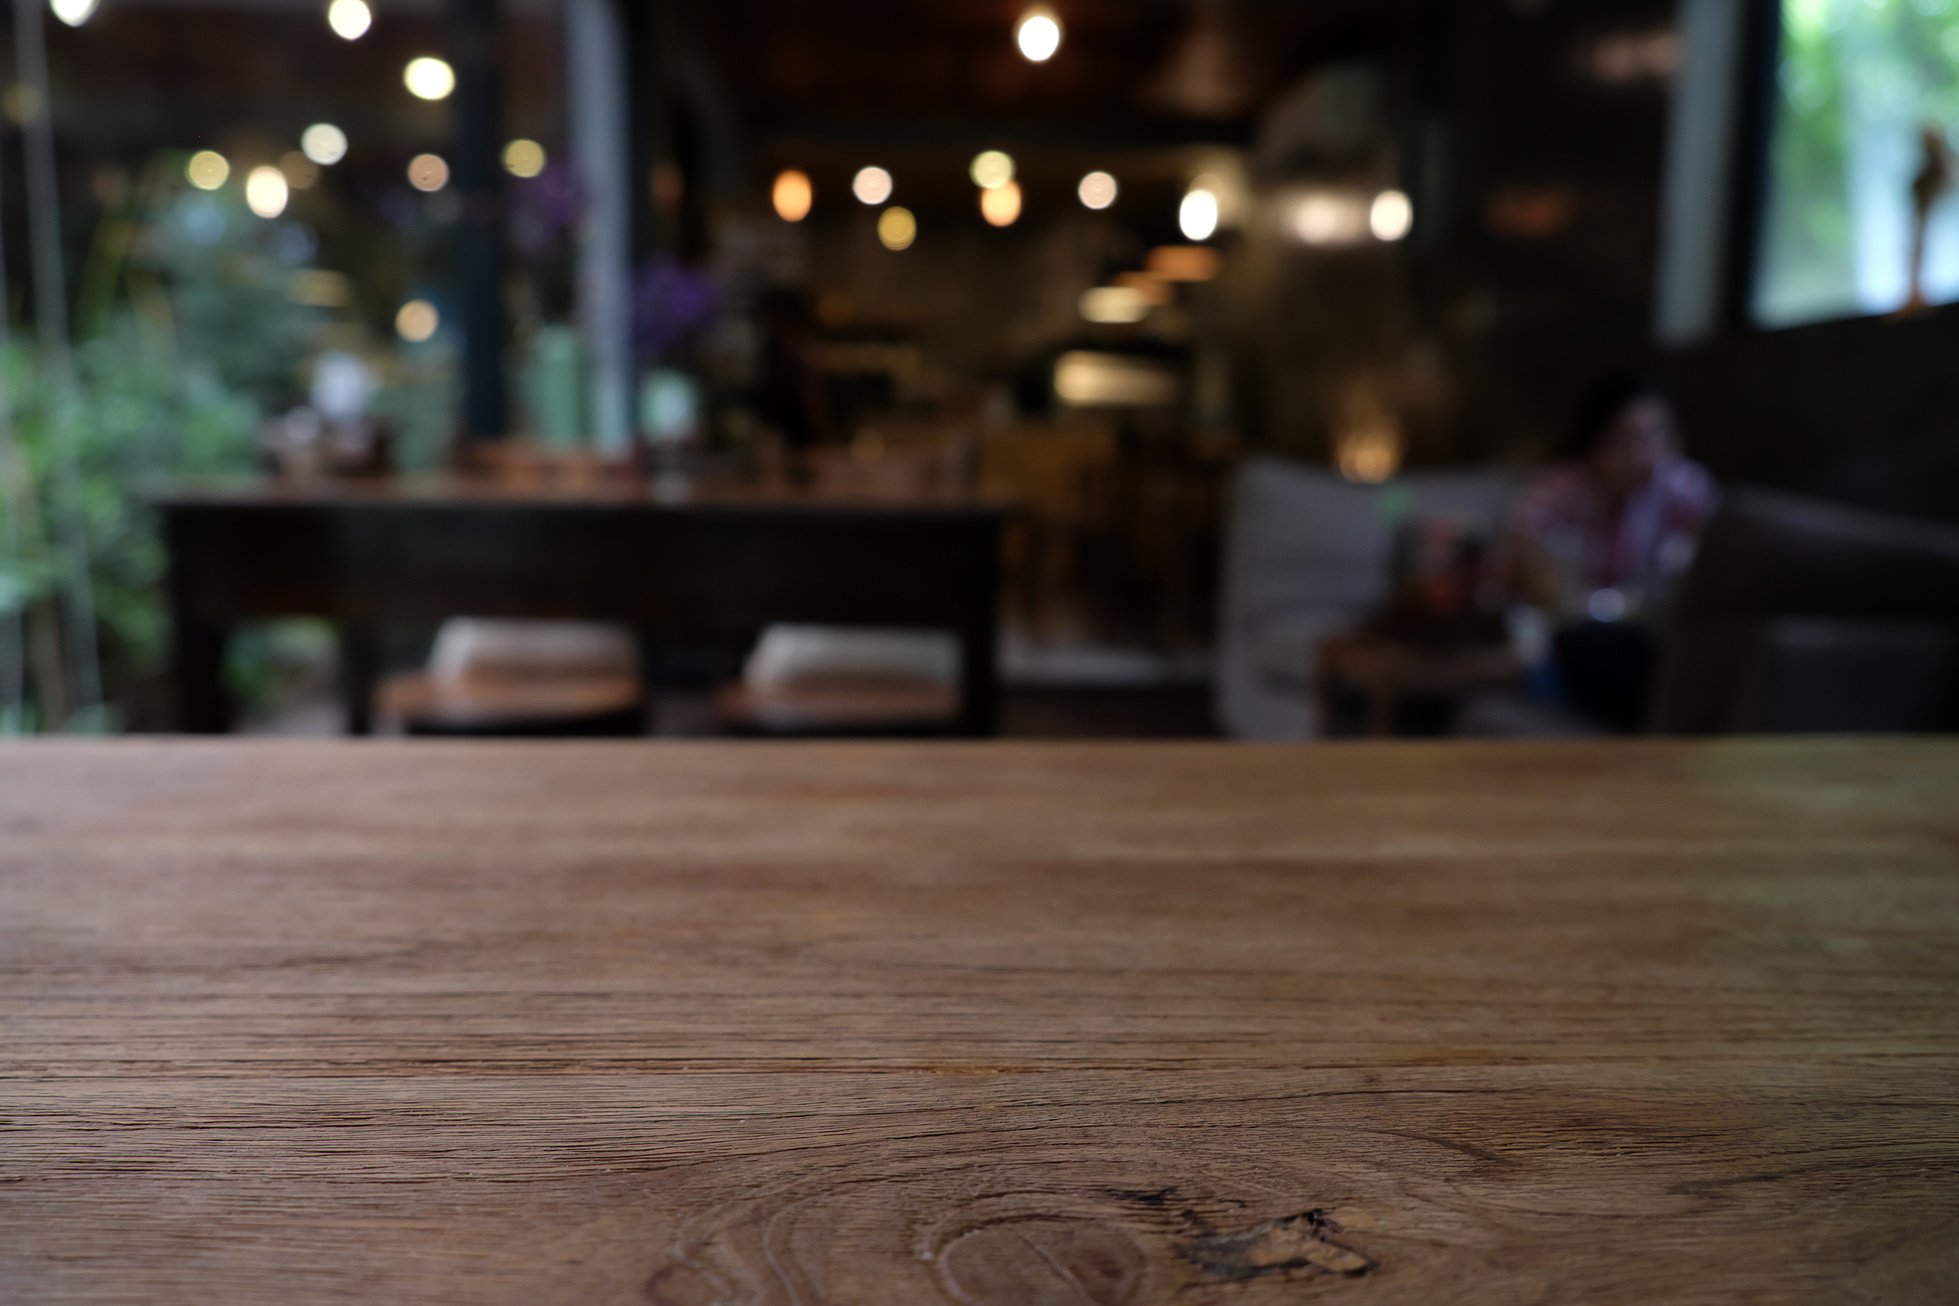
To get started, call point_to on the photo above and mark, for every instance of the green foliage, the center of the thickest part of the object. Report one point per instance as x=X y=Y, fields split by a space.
x=1845 y=60
x=173 y=374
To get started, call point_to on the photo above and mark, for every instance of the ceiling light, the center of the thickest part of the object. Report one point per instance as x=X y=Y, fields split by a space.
x=523 y=158
x=428 y=172
x=992 y=168
x=324 y=143
x=429 y=78
x=266 y=192
x=417 y=321
x=792 y=195
x=1114 y=305
x=1038 y=34
x=1391 y=215
x=1182 y=262
x=1197 y=216
x=897 y=228
x=1098 y=190
x=871 y=185
x=73 y=12
x=207 y=169
x=1001 y=205
x=349 y=19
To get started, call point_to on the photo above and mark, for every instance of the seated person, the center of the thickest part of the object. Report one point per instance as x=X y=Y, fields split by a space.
x=1597 y=541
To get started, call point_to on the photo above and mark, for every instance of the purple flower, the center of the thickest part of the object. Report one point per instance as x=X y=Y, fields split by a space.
x=672 y=304
x=544 y=209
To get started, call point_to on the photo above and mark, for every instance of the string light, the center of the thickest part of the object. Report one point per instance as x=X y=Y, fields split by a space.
x=523 y=158
x=1391 y=215
x=266 y=192
x=992 y=168
x=428 y=172
x=429 y=78
x=1000 y=206
x=792 y=195
x=1097 y=191
x=417 y=321
x=73 y=12
x=872 y=185
x=349 y=19
x=897 y=228
x=1114 y=305
x=1197 y=216
x=324 y=143
x=207 y=169
x=1038 y=34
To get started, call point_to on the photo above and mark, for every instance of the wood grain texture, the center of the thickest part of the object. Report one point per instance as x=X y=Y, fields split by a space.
x=979 y=1024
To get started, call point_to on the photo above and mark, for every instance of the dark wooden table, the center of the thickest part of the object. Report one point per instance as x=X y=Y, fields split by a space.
x=683 y=563
x=1386 y=672
x=987 y=1025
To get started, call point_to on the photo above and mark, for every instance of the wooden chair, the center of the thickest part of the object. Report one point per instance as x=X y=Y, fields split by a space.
x=845 y=681
x=521 y=678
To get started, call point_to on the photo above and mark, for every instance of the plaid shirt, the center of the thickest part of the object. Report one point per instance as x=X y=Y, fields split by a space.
x=1640 y=549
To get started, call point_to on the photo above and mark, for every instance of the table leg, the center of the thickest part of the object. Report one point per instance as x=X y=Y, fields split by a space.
x=360 y=672
x=979 y=678
x=203 y=707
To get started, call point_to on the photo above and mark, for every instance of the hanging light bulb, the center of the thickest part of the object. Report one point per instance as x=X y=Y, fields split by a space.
x=349 y=19
x=523 y=157
x=73 y=12
x=1391 y=215
x=871 y=185
x=897 y=228
x=429 y=78
x=1097 y=191
x=992 y=168
x=266 y=192
x=207 y=169
x=1000 y=206
x=1038 y=34
x=792 y=195
x=1197 y=216
x=324 y=143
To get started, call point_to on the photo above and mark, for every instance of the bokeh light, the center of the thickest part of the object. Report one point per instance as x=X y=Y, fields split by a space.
x=872 y=185
x=897 y=228
x=792 y=195
x=428 y=78
x=417 y=321
x=301 y=172
x=1000 y=206
x=523 y=158
x=73 y=12
x=1097 y=191
x=428 y=172
x=992 y=168
x=349 y=19
x=207 y=169
x=1391 y=215
x=1182 y=262
x=1114 y=305
x=324 y=143
x=1197 y=216
x=1038 y=34
x=22 y=103
x=1150 y=286
x=266 y=191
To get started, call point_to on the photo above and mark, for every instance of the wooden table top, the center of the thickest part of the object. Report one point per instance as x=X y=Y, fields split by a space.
x=462 y=493
x=682 y=1024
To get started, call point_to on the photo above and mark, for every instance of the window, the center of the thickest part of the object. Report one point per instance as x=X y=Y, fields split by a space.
x=1859 y=83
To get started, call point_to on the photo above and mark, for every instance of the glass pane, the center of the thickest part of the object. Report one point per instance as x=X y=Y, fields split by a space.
x=1860 y=83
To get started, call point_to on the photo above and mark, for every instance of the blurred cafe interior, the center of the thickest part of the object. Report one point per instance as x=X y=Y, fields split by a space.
x=1013 y=652
x=1251 y=369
